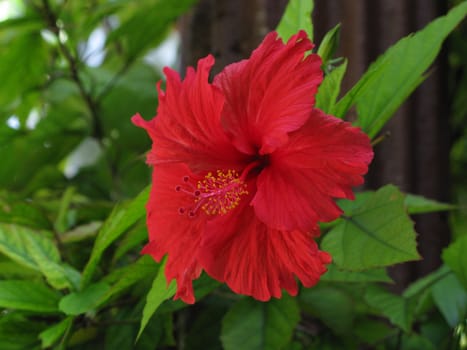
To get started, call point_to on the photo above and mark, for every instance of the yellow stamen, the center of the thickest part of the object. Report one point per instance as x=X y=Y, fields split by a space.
x=220 y=193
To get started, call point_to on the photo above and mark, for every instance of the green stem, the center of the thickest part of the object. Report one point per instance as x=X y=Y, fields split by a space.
x=73 y=61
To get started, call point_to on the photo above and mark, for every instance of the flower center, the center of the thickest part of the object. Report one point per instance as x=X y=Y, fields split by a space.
x=215 y=194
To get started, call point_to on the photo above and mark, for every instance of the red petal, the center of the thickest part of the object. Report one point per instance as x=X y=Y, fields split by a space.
x=322 y=161
x=172 y=233
x=270 y=94
x=187 y=126
x=258 y=261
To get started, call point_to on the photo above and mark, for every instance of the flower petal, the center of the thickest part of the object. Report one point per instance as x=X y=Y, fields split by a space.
x=258 y=261
x=187 y=126
x=172 y=233
x=322 y=161
x=270 y=94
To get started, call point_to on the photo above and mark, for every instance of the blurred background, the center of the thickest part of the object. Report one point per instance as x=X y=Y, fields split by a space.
x=74 y=72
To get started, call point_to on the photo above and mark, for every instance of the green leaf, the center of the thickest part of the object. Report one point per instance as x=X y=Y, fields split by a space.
x=329 y=90
x=205 y=329
x=454 y=256
x=334 y=274
x=425 y=283
x=415 y=341
x=133 y=239
x=121 y=218
x=376 y=233
x=121 y=335
x=202 y=287
x=451 y=299
x=419 y=205
x=61 y=222
x=331 y=305
x=28 y=296
x=83 y=335
x=128 y=276
x=419 y=293
x=253 y=325
x=136 y=85
x=397 y=73
x=83 y=301
x=52 y=334
x=329 y=44
x=398 y=309
x=371 y=330
x=42 y=148
x=297 y=16
x=12 y=270
x=15 y=242
x=159 y=292
x=148 y=24
x=17 y=82
x=22 y=213
x=81 y=232
x=59 y=276
x=34 y=250
x=17 y=332
x=49 y=147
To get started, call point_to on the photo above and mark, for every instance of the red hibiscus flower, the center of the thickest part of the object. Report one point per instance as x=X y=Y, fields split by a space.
x=244 y=169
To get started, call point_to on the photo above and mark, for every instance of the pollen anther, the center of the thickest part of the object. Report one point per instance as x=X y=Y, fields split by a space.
x=221 y=192
x=215 y=194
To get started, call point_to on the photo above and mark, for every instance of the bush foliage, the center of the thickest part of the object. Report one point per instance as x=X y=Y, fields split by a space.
x=73 y=188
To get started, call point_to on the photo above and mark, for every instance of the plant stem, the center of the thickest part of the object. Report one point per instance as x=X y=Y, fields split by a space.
x=73 y=64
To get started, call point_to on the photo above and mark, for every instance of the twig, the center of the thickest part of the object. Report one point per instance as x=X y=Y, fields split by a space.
x=380 y=138
x=92 y=105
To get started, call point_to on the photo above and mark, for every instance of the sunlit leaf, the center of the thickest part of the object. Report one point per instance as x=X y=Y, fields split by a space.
x=159 y=292
x=419 y=204
x=376 y=233
x=397 y=73
x=52 y=334
x=28 y=296
x=329 y=44
x=12 y=270
x=36 y=251
x=83 y=301
x=297 y=16
x=330 y=88
x=334 y=274
x=122 y=217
